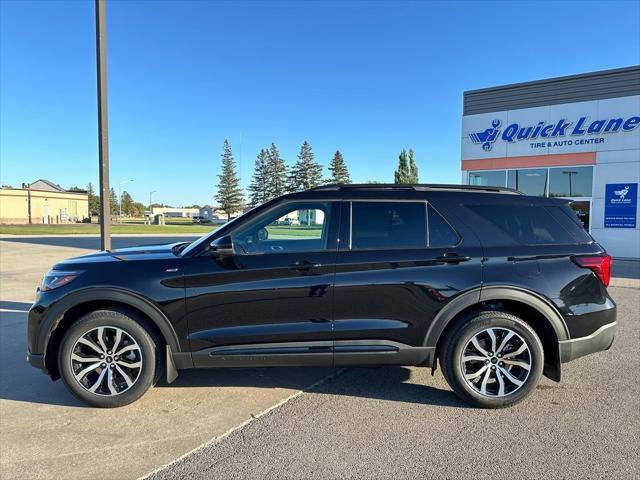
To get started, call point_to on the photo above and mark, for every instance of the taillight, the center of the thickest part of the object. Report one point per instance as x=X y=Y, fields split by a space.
x=599 y=264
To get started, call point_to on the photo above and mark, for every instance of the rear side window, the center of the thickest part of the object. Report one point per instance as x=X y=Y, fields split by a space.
x=440 y=233
x=388 y=225
x=532 y=225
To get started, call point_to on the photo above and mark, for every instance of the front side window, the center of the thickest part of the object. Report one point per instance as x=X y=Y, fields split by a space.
x=291 y=228
x=386 y=225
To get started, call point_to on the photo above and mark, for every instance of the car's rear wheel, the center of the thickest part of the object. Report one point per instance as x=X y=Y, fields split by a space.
x=108 y=359
x=492 y=359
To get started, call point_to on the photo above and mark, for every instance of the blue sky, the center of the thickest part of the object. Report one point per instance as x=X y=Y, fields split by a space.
x=368 y=78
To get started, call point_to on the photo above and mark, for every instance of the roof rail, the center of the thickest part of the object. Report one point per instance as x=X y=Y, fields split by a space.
x=416 y=187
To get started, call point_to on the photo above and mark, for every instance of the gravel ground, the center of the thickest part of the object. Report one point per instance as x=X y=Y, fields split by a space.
x=397 y=422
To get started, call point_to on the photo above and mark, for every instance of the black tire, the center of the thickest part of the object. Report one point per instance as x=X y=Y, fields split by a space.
x=148 y=352
x=458 y=338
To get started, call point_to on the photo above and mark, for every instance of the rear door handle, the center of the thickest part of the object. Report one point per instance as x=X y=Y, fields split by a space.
x=452 y=258
x=304 y=266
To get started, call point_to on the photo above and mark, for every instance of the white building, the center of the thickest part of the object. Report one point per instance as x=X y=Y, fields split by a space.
x=574 y=137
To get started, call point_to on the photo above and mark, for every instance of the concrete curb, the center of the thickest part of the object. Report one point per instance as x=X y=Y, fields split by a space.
x=625 y=282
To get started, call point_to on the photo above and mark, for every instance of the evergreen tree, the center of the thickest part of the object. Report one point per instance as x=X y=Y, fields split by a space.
x=306 y=173
x=413 y=169
x=113 y=202
x=126 y=204
x=401 y=175
x=94 y=200
x=259 y=188
x=229 y=194
x=339 y=172
x=277 y=183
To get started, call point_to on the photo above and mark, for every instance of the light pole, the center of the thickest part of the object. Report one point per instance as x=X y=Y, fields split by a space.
x=120 y=196
x=103 y=143
x=570 y=173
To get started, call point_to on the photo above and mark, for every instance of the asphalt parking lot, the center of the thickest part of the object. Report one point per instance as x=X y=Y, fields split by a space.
x=45 y=433
x=369 y=423
x=397 y=422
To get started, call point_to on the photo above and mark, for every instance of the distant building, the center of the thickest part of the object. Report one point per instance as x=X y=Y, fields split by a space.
x=214 y=213
x=42 y=202
x=175 y=212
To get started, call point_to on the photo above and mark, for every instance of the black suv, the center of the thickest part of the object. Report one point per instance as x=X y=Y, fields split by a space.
x=497 y=287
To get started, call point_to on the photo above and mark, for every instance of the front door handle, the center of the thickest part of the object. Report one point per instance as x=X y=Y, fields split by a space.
x=304 y=265
x=452 y=258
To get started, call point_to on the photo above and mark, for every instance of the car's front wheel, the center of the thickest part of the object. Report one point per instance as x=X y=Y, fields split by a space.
x=492 y=359
x=108 y=359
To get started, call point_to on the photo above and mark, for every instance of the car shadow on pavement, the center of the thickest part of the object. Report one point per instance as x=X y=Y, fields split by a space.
x=384 y=383
x=18 y=380
x=21 y=382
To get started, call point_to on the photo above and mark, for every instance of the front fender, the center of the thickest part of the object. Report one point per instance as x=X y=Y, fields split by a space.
x=51 y=318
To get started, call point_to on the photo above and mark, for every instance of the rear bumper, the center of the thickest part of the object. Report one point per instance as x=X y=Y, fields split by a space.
x=600 y=340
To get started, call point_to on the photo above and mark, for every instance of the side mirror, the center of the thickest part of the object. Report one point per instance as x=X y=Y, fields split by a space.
x=222 y=246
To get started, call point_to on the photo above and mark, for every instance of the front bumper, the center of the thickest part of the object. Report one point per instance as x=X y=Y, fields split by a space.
x=600 y=340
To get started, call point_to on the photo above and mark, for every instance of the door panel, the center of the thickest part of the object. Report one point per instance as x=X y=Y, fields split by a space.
x=259 y=298
x=394 y=293
x=269 y=295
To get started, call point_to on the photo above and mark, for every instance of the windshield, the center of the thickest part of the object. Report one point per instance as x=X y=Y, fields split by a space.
x=206 y=238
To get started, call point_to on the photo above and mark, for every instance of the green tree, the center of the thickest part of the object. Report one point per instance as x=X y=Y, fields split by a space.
x=338 y=169
x=138 y=209
x=306 y=173
x=401 y=175
x=94 y=200
x=413 y=169
x=277 y=183
x=126 y=206
x=229 y=194
x=113 y=201
x=259 y=188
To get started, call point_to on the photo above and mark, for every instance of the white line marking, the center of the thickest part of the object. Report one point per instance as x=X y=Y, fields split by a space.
x=218 y=439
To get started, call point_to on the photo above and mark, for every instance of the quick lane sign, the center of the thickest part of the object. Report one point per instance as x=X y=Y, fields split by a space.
x=543 y=132
x=621 y=203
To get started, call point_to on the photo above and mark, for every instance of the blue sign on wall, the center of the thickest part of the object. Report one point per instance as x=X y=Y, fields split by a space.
x=621 y=203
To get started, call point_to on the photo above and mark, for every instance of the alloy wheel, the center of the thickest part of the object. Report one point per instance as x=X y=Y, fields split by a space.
x=106 y=361
x=496 y=362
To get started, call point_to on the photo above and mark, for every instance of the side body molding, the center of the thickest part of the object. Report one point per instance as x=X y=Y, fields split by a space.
x=57 y=311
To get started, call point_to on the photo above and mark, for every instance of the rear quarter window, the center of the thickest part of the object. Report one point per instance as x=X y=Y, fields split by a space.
x=532 y=224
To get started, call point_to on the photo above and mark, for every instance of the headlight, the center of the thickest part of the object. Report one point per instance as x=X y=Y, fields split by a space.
x=57 y=278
